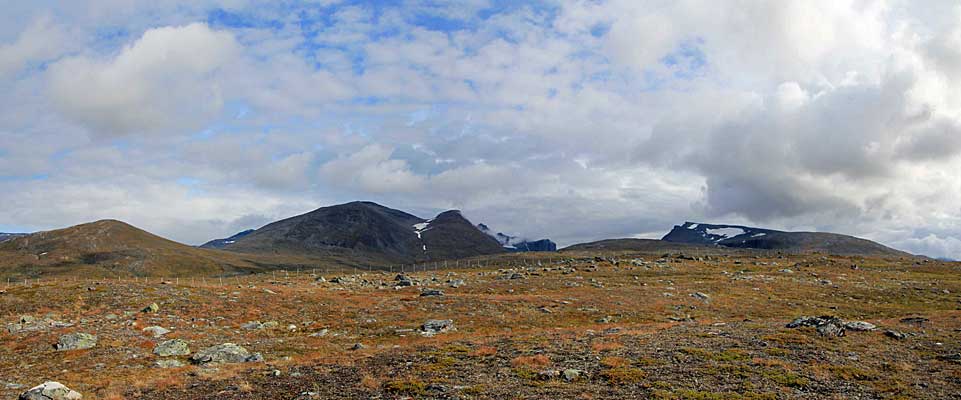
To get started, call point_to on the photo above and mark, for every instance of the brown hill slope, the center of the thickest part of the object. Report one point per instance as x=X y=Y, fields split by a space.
x=114 y=248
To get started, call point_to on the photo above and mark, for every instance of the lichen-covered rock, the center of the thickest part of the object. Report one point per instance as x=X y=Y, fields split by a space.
x=76 y=341
x=152 y=308
x=175 y=347
x=156 y=331
x=435 y=326
x=571 y=375
x=826 y=325
x=169 y=363
x=859 y=326
x=50 y=391
x=225 y=353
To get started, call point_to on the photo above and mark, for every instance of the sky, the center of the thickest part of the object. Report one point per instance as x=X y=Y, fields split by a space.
x=574 y=120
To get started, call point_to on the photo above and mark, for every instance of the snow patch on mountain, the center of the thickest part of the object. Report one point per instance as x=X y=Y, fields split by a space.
x=725 y=233
x=421 y=228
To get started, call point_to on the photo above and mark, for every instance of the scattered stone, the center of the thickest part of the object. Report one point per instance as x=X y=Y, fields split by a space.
x=225 y=353
x=152 y=308
x=431 y=292
x=50 y=391
x=358 y=346
x=895 y=334
x=435 y=326
x=175 y=347
x=76 y=341
x=859 y=326
x=455 y=283
x=548 y=374
x=831 y=328
x=571 y=375
x=320 y=333
x=953 y=358
x=826 y=325
x=156 y=331
x=700 y=296
x=256 y=325
x=919 y=321
x=169 y=363
x=252 y=325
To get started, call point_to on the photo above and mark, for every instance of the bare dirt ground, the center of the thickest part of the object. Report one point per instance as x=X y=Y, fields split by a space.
x=647 y=326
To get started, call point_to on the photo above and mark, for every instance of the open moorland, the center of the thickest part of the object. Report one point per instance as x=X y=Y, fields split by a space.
x=576 y=325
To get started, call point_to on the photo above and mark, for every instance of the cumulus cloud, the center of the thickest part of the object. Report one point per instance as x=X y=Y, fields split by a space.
x=42 y=40
x=371 y=169
x=167 y=79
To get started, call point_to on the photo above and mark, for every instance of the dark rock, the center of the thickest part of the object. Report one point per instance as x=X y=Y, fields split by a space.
x=895 y=334
x=826 y=325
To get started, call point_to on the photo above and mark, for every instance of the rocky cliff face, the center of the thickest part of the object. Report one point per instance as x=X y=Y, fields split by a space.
x=514 y=243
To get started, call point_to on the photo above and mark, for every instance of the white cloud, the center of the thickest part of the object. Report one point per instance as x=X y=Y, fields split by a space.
x=371 y=169
x=40 y=41
x=167 y=79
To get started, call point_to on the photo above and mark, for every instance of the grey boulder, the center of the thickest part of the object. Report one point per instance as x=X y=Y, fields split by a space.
x=435 y=326
x=50 y=391
x=76 y=341
x=175 y=347
x=225 y=353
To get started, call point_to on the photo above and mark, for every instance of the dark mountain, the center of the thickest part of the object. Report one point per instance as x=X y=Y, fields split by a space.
x=371 y=233
x=738 y=236
x=514 y=243
x=641 y=245
x=221 y=243
x=450 y=235
x=114 y=248
x=7 y=236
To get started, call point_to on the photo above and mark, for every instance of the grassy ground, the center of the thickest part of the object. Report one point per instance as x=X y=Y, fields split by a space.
x=631 y=330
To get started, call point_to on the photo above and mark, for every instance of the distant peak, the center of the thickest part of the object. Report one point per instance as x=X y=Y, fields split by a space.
x=450 y=214
x=108 y=223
